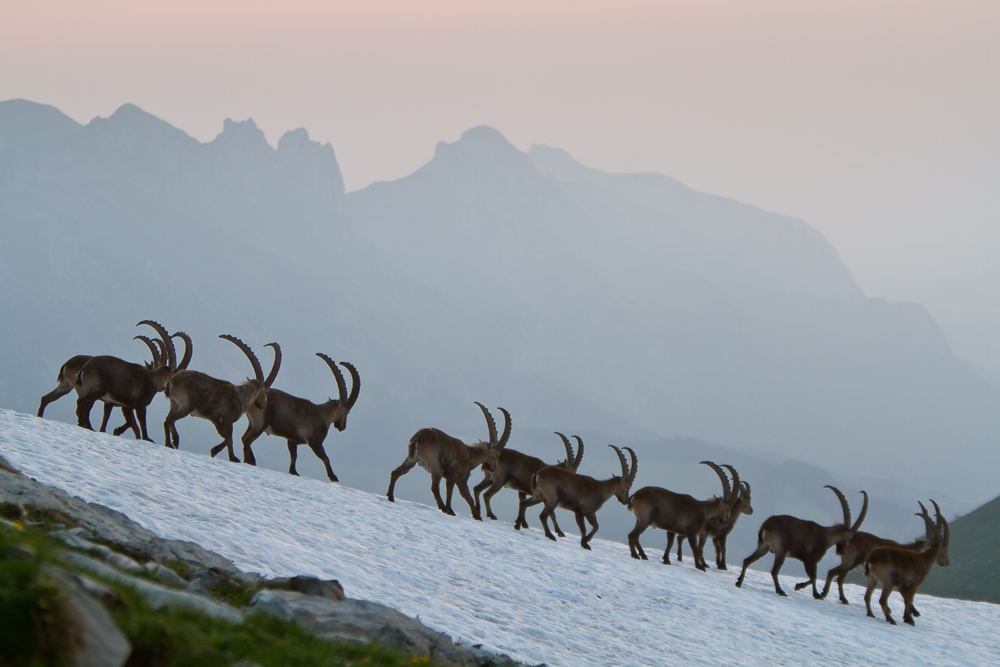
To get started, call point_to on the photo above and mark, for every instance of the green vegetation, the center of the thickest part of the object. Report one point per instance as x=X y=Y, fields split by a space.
x=974 y=552
x=33 y=623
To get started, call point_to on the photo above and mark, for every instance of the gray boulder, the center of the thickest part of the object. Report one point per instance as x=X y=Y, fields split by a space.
x=94 y=639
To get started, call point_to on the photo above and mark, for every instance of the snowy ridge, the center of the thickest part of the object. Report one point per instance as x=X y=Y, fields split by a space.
x=514 y=592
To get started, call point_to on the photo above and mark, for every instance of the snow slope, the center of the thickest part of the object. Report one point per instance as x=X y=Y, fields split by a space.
x=514 y=592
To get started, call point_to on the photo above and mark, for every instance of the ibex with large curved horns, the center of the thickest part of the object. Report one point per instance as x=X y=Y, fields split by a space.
x=676 y=513
x=855 y=553
x=218 y=401
x=302 y=422
x=446 y=457
x=906 y=569
x=580 y=494
x=67 y=380
x=125 y=384
x=514 y=470
x=803 y=540
x=719 y=530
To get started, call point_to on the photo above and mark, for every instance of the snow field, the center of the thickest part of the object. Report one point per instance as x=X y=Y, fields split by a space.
x=514 y=592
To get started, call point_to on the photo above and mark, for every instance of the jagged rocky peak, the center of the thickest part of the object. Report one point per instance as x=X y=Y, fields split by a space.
x=242 y=136
x=310 y=161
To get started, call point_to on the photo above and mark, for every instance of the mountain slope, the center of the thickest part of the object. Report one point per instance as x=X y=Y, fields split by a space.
x=514 y=592
x=975 y=557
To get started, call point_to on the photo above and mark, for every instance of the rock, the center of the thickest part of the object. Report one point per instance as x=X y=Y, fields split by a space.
x=7 y=467
x=94 y=638
x=25 y=551
x=203 y=581
x=112 y=527
x=164 y=574
x=73 y=539
x=329 y=589
x=365 y=622
x=157 y=596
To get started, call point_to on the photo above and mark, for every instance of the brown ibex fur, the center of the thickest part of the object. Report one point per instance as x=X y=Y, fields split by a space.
x=514 y=470
x=906 y=569
x=122 y=383
x=580 y=494
x=719 y=530
x=302 y=422
x=68 y=378
x=676 y=513
x=803 y=540
x=451 y=459
x=218 y=401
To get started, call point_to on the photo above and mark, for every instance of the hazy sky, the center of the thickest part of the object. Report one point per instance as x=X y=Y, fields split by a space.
x=878 y=122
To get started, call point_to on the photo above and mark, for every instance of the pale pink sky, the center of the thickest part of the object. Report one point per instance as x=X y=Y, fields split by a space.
x=876 y=121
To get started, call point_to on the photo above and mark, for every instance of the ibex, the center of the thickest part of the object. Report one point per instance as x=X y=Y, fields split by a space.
x=803 y=540
x=446 y=457
x=514 y=470
x=580 y=494
x=906 y=569
x=302 y=422
x=676 y=513
x=719 y=530
x=218 y=401
x=67 y=382
x=125 y=384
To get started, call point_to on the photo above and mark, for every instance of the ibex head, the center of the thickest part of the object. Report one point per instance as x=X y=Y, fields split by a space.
x=572 y=461
x=343 y=405
x=938 y=533
x=495 y=446
x=628 y=476
x=258 y=383
x=745 y=496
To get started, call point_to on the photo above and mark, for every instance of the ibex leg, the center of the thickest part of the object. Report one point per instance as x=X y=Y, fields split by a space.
x=696 y=552
x=633 y=541
x=320 y=452
x=592 y=518
x=719 y=544
x=83 y=407
x=868 y=594
x=779 y=560
x=762 y=550
x=548 y=511
x=555 y=526
x=404 y=468
x=907 y=592
x=249 y=437
x=293 y=455
x=130 y=423
x=883 y=601
x=226 y=431
x=57 y=393
x=478 y=489
x=583 y=530
x=170 y=425
x=680 y=543
x=108 y=407
x=490 y=492
x=526 y=502
x=449 y=489
x=811 y=573
x=463 y=490
x=670 y=546
x=436 y=490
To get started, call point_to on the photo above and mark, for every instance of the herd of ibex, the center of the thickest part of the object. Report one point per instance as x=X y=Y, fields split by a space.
x=132 y=387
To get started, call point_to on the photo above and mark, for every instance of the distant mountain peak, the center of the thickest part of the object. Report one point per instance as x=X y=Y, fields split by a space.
x=242 y=133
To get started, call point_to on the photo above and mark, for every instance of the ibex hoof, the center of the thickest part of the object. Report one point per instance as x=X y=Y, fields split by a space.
x=517 y=526
x=890 y=621
x=561 y=534
x=909 y=621
x=783 y=594
x=723 y=567
x=334 y=479
x=491 y=517
x=476 y=517
x=390 y=498
x=843 y=601
x=586 y=546
x=551 y=537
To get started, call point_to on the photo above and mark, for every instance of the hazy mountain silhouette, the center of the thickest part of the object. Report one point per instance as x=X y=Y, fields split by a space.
x=621 y=306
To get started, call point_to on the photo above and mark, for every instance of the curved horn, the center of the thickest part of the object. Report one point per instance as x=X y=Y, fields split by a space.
x=621 y=458
x=569 y=448
x=843 y=503
x=929 y=526
x=726 y=490
x=489 y=423
x=506 y=429
x=355 y=384
x=635 y=465
x=737 y=487
x=168 y=344
x=275 y=366
x=188 y=349
x=579 y=452
x=152 y=348
x=864 y=513
x=341 y=385
x=746 y=487
x=257 y=372
x=944 y=532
